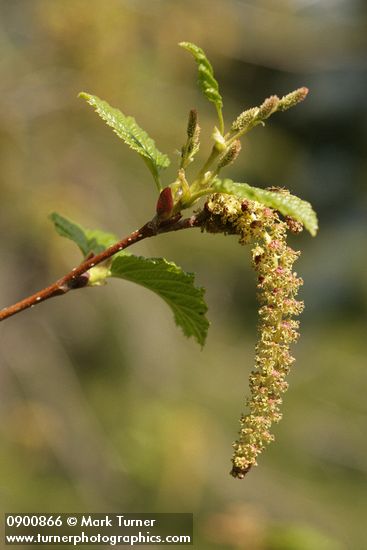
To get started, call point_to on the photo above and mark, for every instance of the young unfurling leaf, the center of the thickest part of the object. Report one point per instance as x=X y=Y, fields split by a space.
x=207 y=82
x=128 y=130
x=88 y=240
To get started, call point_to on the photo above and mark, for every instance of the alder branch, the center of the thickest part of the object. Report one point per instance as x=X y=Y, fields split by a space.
x=78 y=277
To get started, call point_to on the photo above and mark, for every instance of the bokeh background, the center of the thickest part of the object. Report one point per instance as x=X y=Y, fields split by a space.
x=105 y=406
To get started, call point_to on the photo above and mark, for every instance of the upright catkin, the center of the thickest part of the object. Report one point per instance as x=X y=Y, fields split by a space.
x=277 y=286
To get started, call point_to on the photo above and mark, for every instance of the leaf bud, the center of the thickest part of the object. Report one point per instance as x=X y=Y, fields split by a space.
x=165 y=203
x=220 y=142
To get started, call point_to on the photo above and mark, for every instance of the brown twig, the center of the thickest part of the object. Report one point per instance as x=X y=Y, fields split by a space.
x=78 y=277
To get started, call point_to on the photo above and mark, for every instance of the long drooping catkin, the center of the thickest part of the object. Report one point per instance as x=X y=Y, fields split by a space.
x=278 y=285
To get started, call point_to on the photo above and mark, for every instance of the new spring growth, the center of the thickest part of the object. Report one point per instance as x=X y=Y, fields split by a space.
x=278 y=285
x=268 y=107
x=244 y=120
x=256 y=115
x=255 y=216
x=192 y=144
x=231 y=155
x=165 y=204
x=237 y=208
x=290 y=100
x=174 y=198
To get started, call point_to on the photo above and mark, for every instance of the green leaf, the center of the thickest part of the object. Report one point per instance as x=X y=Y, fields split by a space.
x=287 y=204
x=207 y=82
x=157 y=274
x=99 y=240
x=173 y=285
x=88 y=240
x=128 y=130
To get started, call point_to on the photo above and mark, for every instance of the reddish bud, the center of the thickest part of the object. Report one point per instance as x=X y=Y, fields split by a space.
x=165 y=203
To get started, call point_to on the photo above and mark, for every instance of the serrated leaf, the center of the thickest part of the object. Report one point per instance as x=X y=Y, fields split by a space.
x=207 y=82
x=128 y=130
x=287 y=204
x=157 y=274
x=88 y=240
x=173 y=285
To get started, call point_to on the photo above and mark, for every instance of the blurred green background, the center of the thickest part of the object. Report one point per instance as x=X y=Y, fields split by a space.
x=105 y=406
